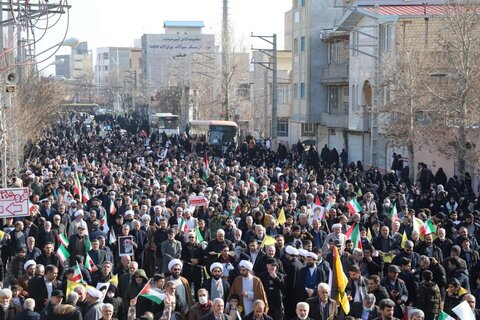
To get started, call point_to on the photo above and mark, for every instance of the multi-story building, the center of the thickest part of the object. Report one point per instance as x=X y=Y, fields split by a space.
x=115 y=64
x=320 y=92
x=76 y=66
x=167 y=57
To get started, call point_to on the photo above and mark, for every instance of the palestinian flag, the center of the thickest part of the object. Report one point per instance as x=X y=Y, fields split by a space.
x=330 y=202
x=199 y=235
x=353 y=206
x=62 y=253
x=149 y=293
x=444 y=316
x=86 y=195
x=205 y=168
x=88 y=264
x=63 y=240
x=77 y=274
x=427 y=228
x=393 y=213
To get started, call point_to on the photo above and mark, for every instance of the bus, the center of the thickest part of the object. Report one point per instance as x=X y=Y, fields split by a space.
x=164 y=122
x=219 y=133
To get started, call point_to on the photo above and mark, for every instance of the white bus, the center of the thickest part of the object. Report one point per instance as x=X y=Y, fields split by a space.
x=218 y=132
x=164 y=122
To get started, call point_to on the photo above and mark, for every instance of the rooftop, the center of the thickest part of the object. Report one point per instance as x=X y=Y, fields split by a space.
x=183 y=24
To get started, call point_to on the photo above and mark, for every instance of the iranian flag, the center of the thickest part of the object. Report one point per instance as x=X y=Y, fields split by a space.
x=62 y=253
x=349 y=231
x=236 y=208
x=32 y=208
x=63 y=240
x=111 y=237
x=393 y=213
x=112 y=209
x=103 y=223
x=88 y=244
x=353 y=206
x=149 y=293
x=88 y=264
x=330 y=202
x=86 y=195
x=355 y=236
x=317 y=201
x=427 y=228
x=205 y=168
x=77 y=187
x=252 y=181
x=183 y=226
x=265 y=196
x=199 y=235
x=77 y=274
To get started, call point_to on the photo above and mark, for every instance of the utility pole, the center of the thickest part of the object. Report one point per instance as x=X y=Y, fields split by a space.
x=225 y=61
x=271 y=65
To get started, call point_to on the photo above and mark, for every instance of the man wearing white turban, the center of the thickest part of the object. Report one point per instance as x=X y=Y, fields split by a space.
x=248 y=287
x=184 y=291
x=215 y=285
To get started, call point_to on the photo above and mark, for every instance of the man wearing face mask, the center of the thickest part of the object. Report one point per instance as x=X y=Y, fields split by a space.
x=366 y=310
x=215 y=285
x=202 y=307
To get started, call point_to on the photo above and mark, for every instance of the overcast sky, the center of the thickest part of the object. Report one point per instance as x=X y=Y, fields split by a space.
x=106 y=23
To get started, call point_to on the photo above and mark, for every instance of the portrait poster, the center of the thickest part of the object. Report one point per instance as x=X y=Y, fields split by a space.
x=125 y=246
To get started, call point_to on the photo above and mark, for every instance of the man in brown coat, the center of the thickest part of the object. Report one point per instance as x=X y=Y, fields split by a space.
x=248 y=287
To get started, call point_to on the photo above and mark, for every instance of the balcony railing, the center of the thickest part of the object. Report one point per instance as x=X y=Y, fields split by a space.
x=335 y=73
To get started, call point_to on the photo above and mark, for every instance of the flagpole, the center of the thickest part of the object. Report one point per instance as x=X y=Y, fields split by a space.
x=148 y=281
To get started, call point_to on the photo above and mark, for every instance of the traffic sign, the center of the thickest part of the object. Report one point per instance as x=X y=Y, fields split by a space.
x=14 y=202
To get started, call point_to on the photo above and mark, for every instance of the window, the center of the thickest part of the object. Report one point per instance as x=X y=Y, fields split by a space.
x=105 y=68
x=295 y=90
x=355 y=43
x=302 y=91
x=386 y=37
x=282 y=95
x=303 y=3
x=297 y=16
x=302 y=43
x=282 y=127
x=333 y=99
x=105 y=55
x=295 y=45
x=335 y=52
x=308 y=129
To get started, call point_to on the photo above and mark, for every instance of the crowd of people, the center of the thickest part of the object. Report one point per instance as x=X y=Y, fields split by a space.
x=154 y=227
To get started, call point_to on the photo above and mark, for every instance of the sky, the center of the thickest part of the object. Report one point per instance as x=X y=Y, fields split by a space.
x=105 y=23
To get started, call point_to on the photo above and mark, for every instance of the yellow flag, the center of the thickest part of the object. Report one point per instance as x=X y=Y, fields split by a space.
x=404 y=240
x=2 y=235
x=71 y=285
x=342 y=281
x=281 y=217
x=207 y=276
x=369 y=235
x=114 y=280
x=267 y=241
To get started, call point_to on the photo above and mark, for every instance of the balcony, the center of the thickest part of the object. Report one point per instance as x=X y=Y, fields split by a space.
x=335 y=74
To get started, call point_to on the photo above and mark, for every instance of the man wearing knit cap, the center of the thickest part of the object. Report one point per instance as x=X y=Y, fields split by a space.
x=184 y=292
x=248 y=287
x=215 y=285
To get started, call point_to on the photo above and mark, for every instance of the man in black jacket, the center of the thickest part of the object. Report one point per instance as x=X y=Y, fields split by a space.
x=38 y=290
x=274 y=284
x=367 y=308
x=375 y=288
